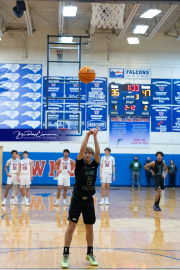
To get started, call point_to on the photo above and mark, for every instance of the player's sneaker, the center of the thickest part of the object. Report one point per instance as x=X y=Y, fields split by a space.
x=107 y=201
x=155 y=208
x=4 y=202
x=158 y=208
x=27 y=202
x=16 y=199
x=132 y=186
x=102 y=201
x=56 y=203
x=65 y=203
x=65 y=261
x=11 y=200
x=92 y=259
x=23 y=202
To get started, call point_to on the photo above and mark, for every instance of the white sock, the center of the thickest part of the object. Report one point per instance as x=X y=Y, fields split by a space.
x=102 y=199
x=57 y=200
x=64 y=200
x=15 y=197
x=106 y=198
x=5 y=199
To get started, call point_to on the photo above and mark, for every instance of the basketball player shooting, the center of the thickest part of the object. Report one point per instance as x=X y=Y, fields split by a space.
x=82 y=200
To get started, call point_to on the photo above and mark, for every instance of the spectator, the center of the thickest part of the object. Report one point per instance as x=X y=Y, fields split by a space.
x=172 y=169
x=148 y=173
x=135 y=167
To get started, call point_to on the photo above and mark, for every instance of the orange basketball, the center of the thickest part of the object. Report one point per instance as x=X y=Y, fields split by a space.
x=87 y=74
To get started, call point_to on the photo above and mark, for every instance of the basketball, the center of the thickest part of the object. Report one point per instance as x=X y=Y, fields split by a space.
x=87 y=74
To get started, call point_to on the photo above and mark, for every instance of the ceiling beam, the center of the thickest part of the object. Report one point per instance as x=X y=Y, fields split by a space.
x=129 y=19
x=28 y=20
x=164 y=18
x=61 y=17
x=172 y=24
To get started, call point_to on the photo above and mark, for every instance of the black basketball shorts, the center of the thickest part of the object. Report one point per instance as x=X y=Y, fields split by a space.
x=159 y=182
x=86 y=207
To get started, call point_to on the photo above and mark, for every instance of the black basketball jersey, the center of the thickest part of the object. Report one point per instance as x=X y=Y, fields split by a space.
x=85 y=178
x=158 y=168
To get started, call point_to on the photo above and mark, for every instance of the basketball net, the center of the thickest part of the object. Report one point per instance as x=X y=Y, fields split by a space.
x=106 y=15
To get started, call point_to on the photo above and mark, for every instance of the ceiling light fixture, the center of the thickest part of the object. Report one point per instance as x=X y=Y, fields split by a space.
x=149 y=14
x=140 y=29
x=66 y=39
x=133 y=40
x=69 y=11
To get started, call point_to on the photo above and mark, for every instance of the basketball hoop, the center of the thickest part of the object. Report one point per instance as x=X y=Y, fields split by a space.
x=106 y=15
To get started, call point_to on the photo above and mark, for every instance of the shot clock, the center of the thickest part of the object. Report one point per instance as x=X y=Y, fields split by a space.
x=130 y=99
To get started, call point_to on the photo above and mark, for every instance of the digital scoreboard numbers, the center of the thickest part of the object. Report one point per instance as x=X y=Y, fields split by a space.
x=130 y=99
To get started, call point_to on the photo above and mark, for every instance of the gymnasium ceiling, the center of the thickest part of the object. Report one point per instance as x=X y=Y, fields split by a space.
x=45 y=15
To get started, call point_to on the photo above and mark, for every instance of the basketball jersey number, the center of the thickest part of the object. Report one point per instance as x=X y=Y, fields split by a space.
x=24 y=167
x=89 y=180
x=14 y=167
x=65 y=167
x=107 y=164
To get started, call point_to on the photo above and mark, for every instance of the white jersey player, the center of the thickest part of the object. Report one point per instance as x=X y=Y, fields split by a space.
x=64 y=172
x=25 y=177
x=13 y=165
x=107 y=168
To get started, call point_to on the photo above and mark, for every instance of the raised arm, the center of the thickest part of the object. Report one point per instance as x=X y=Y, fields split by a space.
x=166 y=169
x=84 y=144
x=97 y=148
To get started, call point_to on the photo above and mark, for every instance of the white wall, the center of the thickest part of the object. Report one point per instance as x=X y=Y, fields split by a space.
x=161 y=54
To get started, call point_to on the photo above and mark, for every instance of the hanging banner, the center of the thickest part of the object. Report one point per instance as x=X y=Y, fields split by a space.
x=176 y=119
x=129 y=131
x=130 y=73
x=176 y=91
x=20 y=96
x=55 y=89
x=53 y=117
x=161 y=91
x=161 y=119
x=72 y=90
x=96 y=114
x=97 y=91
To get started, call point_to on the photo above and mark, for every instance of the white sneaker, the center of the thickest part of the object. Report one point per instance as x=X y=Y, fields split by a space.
x=56 y=203
x=23 y=202
x=15 y=202
x=12 y=201
x=65 y=203
x=106 y=201
x=102 y=201
x=4 y=202
x=27 y=202
x=16 y=199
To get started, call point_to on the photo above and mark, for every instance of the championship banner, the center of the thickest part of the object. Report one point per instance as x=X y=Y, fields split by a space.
x=55 y=89
x=176 y=91
x=176 y=119
x=161 y=119
x=161 y=91
x=72 y=90
x=20 y=96
x=97 y=91
x=129 y=132
x=96 y=114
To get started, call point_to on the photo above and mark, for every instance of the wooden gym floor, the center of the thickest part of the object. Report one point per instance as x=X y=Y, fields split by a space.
x=128 y=234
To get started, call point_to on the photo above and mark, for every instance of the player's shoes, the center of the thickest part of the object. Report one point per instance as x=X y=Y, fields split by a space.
x=4 y=202
x=65 y=203
x=23 y=202
x=102 y=201
x=107 y=201
x=11 y=200
x=56 y=203
x=16 y=199
x=27 y=203
x=132 y=186
x=92 y=259
x=65 y=261
x=155 y=208
x=158 y=208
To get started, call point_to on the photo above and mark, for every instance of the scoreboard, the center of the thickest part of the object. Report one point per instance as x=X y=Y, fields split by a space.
x=130 y=99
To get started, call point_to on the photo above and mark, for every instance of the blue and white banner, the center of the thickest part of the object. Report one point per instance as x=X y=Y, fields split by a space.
x=161 y=91
x=53 y=116
x=130 y=73
x=161 y=119
x=55 y=89
x=96 y=114
x=20 y=96
x=176 y=92
x=176 y=119
x=97 y=91
x=129 y=132
x=72 y=90
x=116 y=72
